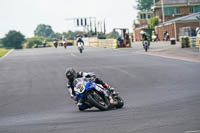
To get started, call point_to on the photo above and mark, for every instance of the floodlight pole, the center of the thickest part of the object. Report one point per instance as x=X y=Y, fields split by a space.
x=163 y=14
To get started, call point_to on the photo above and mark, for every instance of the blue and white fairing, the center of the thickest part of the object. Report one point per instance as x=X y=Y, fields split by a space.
x=83 y=86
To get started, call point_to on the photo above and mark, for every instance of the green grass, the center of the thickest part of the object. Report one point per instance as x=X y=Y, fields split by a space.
x=3 y=51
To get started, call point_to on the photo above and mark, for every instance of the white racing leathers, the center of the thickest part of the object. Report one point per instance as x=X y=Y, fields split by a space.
x=80 y=47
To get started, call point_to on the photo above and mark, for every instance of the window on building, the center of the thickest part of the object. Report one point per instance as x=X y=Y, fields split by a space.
x=197 y=8
x=191 y=9
x=194 y=9
x=177 y=10
x=142 y=16
x=149 y=16
x=170 y=11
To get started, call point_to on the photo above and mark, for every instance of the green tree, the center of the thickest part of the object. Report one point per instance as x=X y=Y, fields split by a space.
x=145 y=4
x=34 y=40
x=58 y=36
x=153 y=22
x=1 y=43
x=43 y=30
x=114 y=34
x=69 y=35
x=13 y=39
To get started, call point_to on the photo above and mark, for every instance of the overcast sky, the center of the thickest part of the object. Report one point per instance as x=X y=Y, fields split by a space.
x=25 y=15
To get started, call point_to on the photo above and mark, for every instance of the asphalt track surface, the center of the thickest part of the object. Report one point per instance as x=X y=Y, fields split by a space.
x=161 y=95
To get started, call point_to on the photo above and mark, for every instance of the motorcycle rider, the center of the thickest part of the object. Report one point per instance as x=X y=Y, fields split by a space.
x=71 y=75
x=80 y=41
x=144 y=37
x=55 y=43
x=65 y=43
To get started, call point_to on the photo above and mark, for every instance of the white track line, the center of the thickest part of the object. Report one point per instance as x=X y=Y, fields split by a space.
x=169 y=57
x=197 y=131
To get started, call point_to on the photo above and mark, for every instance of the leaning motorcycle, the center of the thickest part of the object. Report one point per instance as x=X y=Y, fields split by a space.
x=80 y=47
x=95 y=95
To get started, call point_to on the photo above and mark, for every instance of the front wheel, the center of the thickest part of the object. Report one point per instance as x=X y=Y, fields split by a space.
x=81 y=51
x=120 y=102
x=146 y=48
x=98 y=100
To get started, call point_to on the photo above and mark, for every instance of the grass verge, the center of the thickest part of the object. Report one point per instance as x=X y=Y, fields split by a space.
x=3 y=51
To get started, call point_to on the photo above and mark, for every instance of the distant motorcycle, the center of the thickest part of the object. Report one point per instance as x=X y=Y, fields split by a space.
x=95 y=95
x=55 y=44
x=80 y=47
x=65 y=45
x=146 y=45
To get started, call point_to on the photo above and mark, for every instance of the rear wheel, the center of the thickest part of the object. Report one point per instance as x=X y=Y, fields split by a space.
x=98 y=100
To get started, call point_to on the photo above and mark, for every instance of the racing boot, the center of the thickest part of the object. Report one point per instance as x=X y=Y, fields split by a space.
x=111 y=89
x=79 y=102
x=111 y=100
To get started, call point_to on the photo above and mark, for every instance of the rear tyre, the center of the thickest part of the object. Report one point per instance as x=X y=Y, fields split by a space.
x=99 y=101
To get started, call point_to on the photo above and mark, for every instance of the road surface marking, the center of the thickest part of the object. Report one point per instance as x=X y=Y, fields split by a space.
x=197 y=131
x=169 y=57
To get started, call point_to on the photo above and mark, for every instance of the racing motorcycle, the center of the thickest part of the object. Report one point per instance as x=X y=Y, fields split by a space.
x=95 y=95
x=65 y=45
x=80 y=47
x=146 y=45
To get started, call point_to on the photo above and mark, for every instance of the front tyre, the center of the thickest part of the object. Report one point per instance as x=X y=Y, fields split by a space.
x=98 y=100
x=146 y=48
x=120 y=102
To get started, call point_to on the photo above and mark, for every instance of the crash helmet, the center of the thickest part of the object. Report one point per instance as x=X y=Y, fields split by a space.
x=70 y=73
x=142 y=32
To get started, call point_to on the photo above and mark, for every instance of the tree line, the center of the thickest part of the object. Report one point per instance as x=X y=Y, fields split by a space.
x=15 y=39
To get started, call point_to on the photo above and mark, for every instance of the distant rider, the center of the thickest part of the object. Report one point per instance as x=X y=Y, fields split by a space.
x=65 y=43
x=144 y=38
x=80 y=41
x=71 y=75
x=55 y=43
x=44 y=43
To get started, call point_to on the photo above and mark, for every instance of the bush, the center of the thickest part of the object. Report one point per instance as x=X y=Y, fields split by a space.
x=153 y=22
x=102 y=36
x=13 y=39
x=1 y=44
x=34 y=40
x=114 y=35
